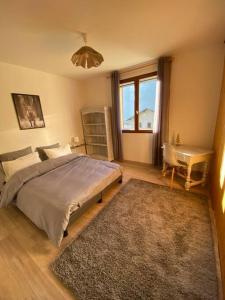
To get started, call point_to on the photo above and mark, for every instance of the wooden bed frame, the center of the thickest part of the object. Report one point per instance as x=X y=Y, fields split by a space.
x=96 y=199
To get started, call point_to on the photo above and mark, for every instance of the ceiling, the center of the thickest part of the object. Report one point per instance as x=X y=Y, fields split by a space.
x=42 y=34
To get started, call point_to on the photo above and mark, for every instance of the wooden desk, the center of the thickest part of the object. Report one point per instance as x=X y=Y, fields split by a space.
x=191 y=155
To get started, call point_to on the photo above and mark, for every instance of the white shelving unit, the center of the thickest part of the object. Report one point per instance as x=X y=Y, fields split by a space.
x=96 y=122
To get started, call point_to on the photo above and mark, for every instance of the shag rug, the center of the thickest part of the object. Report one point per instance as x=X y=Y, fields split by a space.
x=150 y=242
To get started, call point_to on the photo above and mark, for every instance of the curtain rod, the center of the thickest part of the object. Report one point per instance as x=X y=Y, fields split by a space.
x=137 y=67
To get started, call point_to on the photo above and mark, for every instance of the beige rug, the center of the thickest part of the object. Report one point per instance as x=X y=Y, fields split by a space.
x=150 y=242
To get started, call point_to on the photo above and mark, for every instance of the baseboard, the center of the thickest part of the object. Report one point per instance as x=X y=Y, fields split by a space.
x=216 y=250
x=137 y=163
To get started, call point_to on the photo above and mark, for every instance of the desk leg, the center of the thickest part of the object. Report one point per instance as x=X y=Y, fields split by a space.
x=188 y=178
x=164 y=169
x=205 y=173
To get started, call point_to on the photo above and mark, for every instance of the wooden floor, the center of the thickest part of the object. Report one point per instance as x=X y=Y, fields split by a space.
x=25 y=251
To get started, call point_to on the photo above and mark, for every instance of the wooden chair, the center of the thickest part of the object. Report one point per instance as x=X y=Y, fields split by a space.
x=170 y=161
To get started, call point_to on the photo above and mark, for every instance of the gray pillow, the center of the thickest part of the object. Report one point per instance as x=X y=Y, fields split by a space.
x=42 y=153
x=2 y=178
x=11 y=156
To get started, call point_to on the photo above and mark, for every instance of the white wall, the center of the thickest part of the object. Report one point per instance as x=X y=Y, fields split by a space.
x=195 y=90
x=195 y=87
x=60 y=100
x=97 y=91
x=137 y=147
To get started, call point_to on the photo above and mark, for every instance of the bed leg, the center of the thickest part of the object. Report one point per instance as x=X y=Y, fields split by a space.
x=65 y=233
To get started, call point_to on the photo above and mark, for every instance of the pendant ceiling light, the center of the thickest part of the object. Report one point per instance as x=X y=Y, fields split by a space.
x=87 y=57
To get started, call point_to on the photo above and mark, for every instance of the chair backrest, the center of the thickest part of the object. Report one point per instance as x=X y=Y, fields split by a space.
x=169 y=155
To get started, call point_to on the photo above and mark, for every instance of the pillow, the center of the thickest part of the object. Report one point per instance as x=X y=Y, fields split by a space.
x=12 y=166
x=42 y=153
x=2 y=178
x=15 y=154
x=54 y=153
x=11 y=156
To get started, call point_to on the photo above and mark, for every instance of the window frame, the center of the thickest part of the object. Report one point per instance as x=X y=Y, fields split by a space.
x=136 y=80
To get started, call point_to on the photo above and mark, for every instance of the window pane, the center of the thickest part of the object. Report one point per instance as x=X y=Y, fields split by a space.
x=147 y=93
x=127 y=106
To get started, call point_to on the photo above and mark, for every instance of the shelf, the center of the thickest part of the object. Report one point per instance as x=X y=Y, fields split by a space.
x=98 y=156
x=76 y=146
x=94 y=124
x=97 y=132
x=97 y=135
x=96 y=144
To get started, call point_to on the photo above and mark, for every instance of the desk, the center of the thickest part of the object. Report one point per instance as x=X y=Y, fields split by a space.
x=191 y=155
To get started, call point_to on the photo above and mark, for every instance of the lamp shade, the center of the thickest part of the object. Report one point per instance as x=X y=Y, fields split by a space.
x=87 y=58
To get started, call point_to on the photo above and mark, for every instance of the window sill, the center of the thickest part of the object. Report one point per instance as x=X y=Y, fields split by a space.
x=137 y=131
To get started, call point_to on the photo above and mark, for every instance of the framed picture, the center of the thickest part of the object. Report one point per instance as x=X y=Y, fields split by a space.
x=28 y=111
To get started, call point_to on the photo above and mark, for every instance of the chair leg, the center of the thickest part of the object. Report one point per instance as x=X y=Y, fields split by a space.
x=164 y=169
x=172 y=176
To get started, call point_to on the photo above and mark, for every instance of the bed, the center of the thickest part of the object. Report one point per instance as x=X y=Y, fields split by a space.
x=54 y=192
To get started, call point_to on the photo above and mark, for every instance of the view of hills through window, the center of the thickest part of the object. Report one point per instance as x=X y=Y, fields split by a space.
x=147 y=93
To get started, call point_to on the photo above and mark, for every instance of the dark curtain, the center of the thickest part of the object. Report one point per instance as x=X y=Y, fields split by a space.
x=161 y=132
x=116 y=130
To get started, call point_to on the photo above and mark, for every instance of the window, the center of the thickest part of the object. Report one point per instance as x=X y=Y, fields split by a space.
x=137 y=98
x=128 y=104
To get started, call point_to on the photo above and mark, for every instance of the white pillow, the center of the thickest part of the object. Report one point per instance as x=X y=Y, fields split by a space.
x=57 y=152
x=12 y=166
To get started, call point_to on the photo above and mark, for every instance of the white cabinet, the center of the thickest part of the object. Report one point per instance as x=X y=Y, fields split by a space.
x=97 y=129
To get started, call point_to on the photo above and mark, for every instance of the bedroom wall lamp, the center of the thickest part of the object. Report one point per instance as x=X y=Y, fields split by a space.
x=86 y=56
